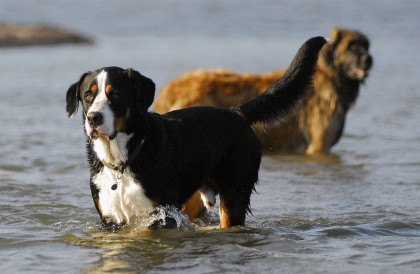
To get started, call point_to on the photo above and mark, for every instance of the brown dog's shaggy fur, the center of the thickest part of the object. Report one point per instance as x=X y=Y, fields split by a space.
x=341 y=68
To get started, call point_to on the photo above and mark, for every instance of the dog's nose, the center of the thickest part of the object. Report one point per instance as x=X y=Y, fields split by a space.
x=95 y=119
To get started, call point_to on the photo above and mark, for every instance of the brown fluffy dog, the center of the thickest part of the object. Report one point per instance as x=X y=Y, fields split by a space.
x=319 y=123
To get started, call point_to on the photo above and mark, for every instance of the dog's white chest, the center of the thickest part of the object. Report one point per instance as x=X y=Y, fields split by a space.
x=124 y=204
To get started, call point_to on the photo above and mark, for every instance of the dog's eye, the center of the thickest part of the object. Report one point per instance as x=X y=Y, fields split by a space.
x=89 y=97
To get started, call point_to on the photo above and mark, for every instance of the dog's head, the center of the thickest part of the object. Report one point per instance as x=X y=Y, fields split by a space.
x=111 y=98
x=348 y=55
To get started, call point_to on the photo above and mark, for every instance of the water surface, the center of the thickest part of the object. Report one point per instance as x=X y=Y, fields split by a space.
x=355 y=211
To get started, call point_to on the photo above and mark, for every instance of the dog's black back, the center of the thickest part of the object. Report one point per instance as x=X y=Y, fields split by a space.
x=180 y=152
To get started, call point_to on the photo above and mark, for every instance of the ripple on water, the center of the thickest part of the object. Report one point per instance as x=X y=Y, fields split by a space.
x=133 y=248
x=13 y=168
x=301 y=229
x=394 y=228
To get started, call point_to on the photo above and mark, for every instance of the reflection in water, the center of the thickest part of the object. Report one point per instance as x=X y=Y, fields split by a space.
x=208 y=249
x=134 y=247
x=322 y=167
x=305 y=159
x=117 y=250
x=143 y=250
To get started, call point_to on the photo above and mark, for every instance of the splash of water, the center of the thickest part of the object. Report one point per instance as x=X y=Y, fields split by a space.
x=170 y=216
x=163 y=217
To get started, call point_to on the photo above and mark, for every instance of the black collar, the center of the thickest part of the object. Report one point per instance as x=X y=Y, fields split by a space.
x=121 y=167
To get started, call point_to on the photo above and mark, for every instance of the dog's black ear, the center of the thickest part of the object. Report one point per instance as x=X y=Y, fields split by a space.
x=144 y=87
x=73 y=97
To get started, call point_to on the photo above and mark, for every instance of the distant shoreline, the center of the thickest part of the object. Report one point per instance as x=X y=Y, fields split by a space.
x=19 y=35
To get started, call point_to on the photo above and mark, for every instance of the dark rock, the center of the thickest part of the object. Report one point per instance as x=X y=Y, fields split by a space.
x=16 y=35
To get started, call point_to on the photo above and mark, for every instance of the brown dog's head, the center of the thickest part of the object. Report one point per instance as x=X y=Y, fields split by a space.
x=111 y=97
x=348 y=55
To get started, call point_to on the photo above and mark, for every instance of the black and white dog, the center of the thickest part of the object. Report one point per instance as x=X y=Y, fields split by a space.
x=140 y=160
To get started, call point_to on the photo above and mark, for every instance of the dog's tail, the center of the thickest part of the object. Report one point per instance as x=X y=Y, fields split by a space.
x=282 y=97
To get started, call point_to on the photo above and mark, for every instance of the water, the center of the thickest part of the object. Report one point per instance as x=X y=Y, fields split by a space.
x=355 y=211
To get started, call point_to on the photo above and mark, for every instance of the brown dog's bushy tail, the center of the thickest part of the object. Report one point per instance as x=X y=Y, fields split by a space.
x=281 y=98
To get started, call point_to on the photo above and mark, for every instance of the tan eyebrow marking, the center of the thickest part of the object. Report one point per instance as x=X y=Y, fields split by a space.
x=94 y=88
x=108 y=89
